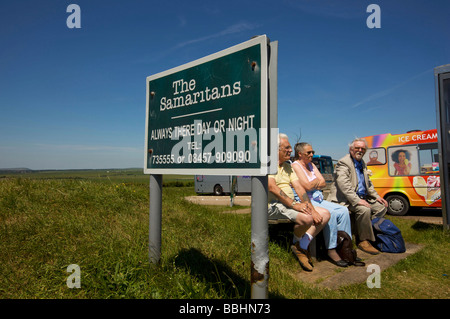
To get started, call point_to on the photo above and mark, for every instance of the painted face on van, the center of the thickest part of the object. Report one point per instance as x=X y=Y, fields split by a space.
x=401 y=157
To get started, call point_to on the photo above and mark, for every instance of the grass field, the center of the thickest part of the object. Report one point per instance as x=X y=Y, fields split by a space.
x=99 y=221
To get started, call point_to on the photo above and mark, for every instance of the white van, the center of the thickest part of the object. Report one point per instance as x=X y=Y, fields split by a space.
x=219 y=185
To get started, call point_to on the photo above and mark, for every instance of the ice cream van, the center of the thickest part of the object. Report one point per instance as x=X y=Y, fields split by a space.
x=404 y=169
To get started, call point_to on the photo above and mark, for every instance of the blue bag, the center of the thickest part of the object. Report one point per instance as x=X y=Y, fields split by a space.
x=317 y=196
x=388 y=238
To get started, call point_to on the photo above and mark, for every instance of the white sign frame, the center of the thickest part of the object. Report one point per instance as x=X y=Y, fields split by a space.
x=263 y=145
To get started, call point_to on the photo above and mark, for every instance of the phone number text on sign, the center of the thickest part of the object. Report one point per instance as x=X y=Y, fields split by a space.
x=208 y=158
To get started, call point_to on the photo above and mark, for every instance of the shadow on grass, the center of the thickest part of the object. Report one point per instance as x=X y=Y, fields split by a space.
x=422 y=226
x=216 y=273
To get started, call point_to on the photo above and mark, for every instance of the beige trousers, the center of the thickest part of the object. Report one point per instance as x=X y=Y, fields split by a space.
x=361 y=217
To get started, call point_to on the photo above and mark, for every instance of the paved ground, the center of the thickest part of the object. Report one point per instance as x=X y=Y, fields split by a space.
x=325 y=274
x=220 y=200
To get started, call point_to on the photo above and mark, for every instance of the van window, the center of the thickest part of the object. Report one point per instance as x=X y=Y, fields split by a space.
x=403 y=160
x=375 y=156
x=429 y=158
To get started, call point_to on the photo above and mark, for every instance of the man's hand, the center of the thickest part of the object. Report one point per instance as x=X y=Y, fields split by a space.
x=382 y=201
x=363 y=202
x=379 y=199
x=302 y=208
x=316 y=217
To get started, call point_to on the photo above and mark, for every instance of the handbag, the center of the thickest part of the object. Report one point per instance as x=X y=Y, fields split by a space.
x=345 y=249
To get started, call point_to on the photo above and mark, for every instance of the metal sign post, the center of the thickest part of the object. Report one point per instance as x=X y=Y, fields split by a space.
x=233 y=181
x=442 y=85
x=260 y=239
x=154 y=247
x=260 y=226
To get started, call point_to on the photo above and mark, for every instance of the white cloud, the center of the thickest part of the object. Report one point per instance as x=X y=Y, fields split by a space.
x=350 y=9
x=232 y=29
x=386 y=92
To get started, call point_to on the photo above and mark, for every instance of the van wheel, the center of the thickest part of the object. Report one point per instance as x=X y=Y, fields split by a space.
x=218 y=190
x=397 y=205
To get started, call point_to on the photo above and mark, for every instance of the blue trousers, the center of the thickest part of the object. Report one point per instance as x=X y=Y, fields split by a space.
x=339 y=220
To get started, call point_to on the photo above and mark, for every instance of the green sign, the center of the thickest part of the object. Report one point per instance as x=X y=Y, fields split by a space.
x=210 y=116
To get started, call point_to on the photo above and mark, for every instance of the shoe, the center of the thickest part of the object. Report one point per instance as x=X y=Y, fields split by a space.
x=368 y=248
x=340 y=262
x=310 y=260
x=302 y=256
x=359 y=263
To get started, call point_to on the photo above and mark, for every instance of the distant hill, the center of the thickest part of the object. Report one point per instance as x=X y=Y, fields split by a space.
x=24 y=170
x=15 y=170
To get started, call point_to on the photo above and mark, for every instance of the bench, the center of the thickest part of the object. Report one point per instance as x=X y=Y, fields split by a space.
x=313 y=245
x=317 y=244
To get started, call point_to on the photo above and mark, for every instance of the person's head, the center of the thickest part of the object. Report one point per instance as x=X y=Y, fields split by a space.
x=400 y=156
x=284 y=148
x=304 y=152
x=373 y=155
x=358 y=148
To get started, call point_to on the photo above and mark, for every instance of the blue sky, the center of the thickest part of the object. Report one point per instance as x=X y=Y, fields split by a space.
x=75 y=98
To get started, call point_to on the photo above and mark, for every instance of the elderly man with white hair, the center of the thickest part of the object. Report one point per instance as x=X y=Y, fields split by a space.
x=352 y=188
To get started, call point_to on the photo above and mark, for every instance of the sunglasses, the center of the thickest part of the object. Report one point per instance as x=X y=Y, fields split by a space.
x=310 y=152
